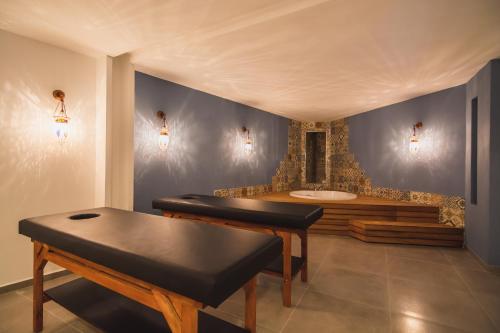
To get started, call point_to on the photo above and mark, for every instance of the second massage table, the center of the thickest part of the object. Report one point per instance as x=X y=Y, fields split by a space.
x=281 y=219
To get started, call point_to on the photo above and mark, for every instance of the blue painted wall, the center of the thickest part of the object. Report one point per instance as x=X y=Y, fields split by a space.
x=494 y=253
x=483 y=219
x=205 y=152
x=379 y=140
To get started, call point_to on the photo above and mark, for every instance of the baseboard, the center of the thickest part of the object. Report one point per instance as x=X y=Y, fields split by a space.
x=29 y=282
x=491 y=268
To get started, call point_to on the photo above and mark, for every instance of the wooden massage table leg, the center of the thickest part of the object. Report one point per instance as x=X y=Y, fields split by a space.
x=303 y=254
x=185 y=320
x=180 y=313
x=251 y=305
x=287 y=268
x=39 y=263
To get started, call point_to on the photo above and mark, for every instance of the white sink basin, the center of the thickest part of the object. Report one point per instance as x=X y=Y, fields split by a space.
x=323 y=195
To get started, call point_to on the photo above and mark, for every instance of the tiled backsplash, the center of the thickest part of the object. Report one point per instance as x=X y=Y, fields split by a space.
x=240 y=192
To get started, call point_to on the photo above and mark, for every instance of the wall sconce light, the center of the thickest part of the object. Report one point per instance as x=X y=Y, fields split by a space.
x=414 y=142
x=248 y=145
x=61 y=119
x=163 y=138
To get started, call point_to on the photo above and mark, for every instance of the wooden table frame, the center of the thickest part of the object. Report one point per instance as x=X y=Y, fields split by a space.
x=284 y=233
x=180 y=312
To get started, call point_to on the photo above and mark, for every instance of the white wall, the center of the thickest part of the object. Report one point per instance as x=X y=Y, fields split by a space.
x=37 y=175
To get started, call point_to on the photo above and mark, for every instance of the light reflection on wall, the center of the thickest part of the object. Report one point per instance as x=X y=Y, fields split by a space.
x=233 y=146
x=29 y=145
x=411 y=323
x=180 y=156
x=39 y=175
x=432 y=147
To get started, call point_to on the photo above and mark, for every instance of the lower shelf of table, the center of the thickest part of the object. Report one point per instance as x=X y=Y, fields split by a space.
x=114 y=313
x=276 y=267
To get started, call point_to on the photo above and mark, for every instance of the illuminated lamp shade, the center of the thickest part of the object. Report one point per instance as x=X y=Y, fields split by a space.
x=248 y=145
x=414 y=141
x=61 y=119
x=164 y=137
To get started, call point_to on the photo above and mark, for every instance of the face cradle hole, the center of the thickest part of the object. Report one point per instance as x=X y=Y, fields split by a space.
x=84 y=216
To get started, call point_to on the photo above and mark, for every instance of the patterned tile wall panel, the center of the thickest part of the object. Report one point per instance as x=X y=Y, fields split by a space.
x=243 y=192
x=347 y=175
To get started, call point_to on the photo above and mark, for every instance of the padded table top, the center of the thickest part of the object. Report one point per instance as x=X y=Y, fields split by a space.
x=280 y=214
x=204 y=262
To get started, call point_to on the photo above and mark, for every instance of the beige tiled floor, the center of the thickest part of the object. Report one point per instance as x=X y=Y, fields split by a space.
x=354 y=287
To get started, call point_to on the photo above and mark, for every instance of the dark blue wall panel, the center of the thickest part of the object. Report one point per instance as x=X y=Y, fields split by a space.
x=477 y=215
x=379 y=140
x=205 y=151
x=494 y=241
x=482 y=219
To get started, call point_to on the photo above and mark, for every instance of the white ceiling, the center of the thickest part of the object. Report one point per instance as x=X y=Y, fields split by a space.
x=304 y=59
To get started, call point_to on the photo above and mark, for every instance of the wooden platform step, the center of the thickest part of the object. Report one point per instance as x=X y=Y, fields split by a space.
x=397 y=232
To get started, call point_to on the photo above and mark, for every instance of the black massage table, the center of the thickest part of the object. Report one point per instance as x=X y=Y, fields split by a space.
x=141 y=274
x=281 y=219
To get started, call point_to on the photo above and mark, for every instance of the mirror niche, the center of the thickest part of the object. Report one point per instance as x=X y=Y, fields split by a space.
x=315 y=157
x=315 y=148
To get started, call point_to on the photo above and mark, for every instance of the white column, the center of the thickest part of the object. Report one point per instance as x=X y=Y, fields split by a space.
x=121 y=166
x=103 y=131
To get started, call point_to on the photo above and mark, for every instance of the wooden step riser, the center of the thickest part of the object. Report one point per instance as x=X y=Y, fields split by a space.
x=358 y=217
x=407 y=241
x=435 y=228
x=380 y=218
x=401 y=208
x=417 y=219
x=411 y=229
x=329 y=232
x=337 y=212
x=332 y=222
x=449 y=231
x=410 y=235
x=329 y=227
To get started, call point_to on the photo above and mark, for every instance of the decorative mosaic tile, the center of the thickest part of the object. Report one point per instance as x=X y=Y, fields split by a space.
x=454 y=202
x=452 y=216
x=236 y=192
x=223 y=193
x=420 y=197
x=240 y=192
x=250 y=191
